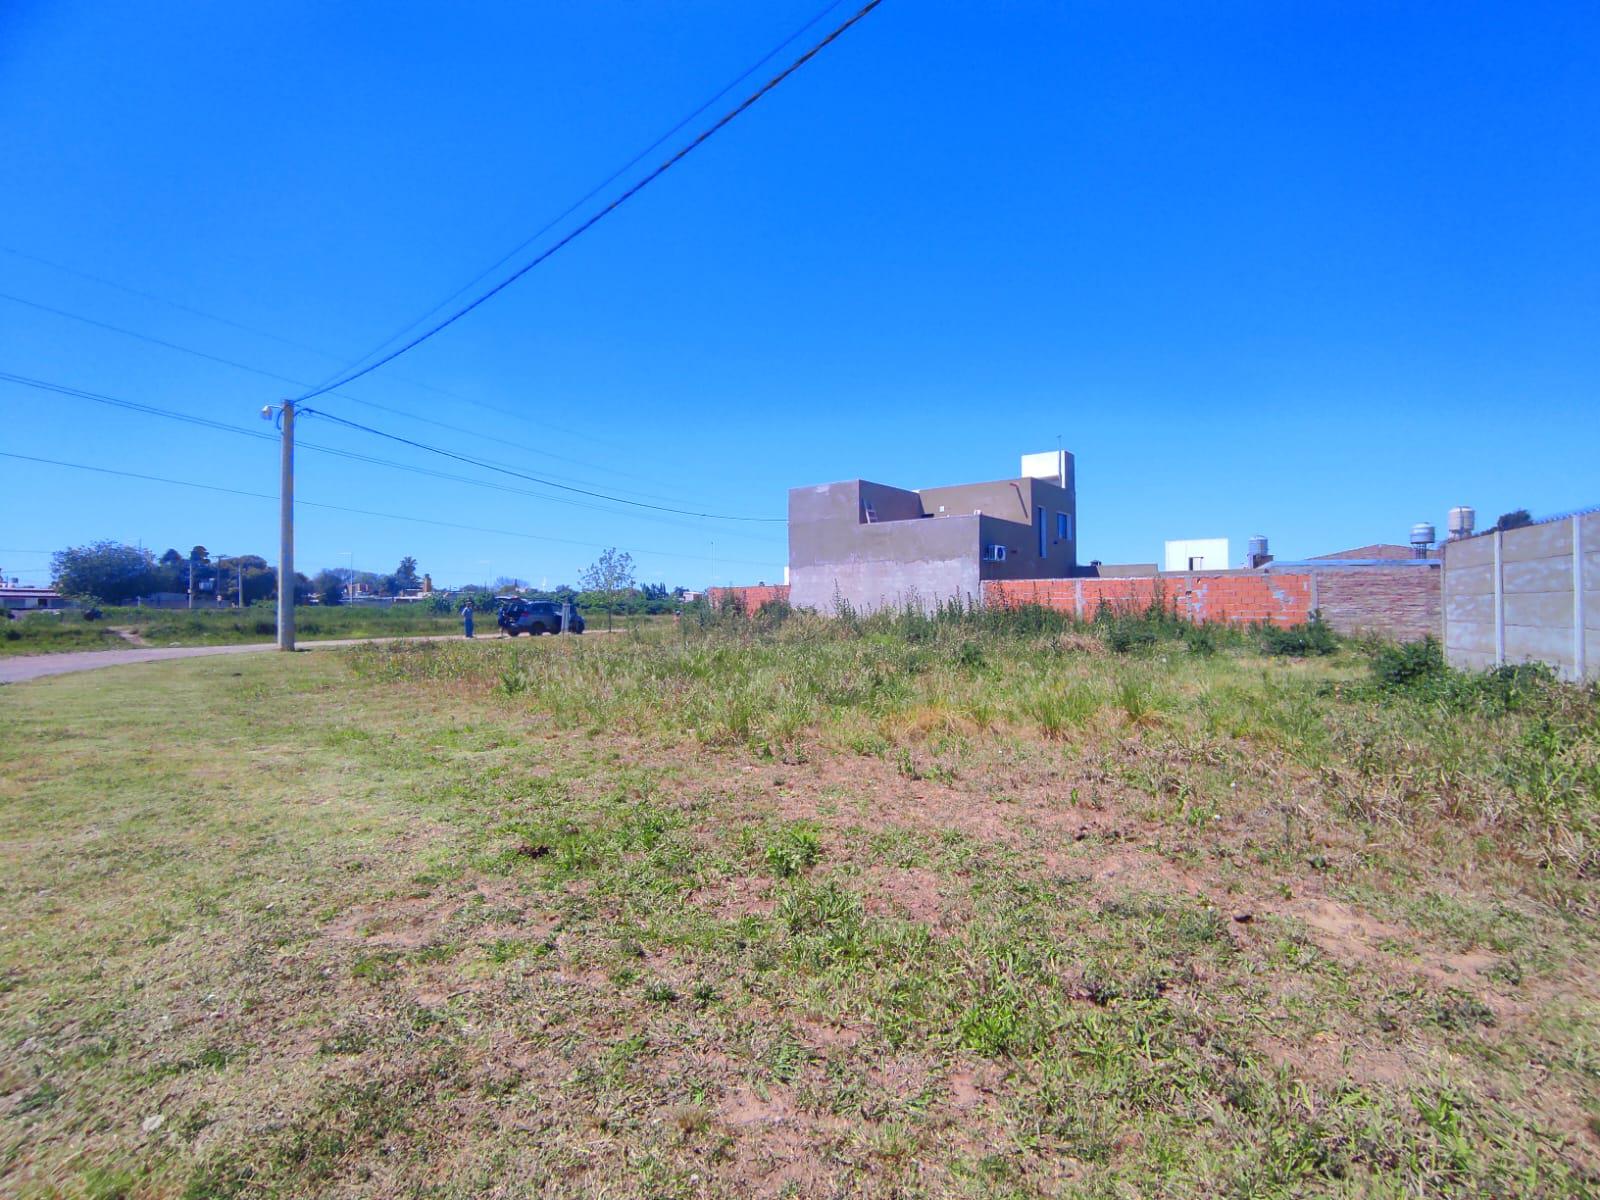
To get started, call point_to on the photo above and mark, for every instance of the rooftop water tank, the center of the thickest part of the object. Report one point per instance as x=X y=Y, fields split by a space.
x=1462 y=519
x=1422 y=534
x=1257 y=546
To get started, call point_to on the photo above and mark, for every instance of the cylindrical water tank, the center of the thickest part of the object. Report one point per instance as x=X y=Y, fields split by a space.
x=1462 y=519
x=1422 y=534
x=1257 y=546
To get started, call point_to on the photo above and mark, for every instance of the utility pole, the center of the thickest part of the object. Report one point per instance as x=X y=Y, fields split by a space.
x=286 y=532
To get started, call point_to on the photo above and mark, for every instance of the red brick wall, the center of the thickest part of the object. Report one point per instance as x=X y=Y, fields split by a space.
x=752 y=599
x=1243 y=598
x=1398 y=602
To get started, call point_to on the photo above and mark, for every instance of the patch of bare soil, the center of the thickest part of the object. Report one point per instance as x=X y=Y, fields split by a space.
x=1353 y=936
x=910 y=893
x=740 y=896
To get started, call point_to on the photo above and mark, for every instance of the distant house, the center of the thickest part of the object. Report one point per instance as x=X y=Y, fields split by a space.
x=1375 y=552
x=873 y=546
x=30 y=599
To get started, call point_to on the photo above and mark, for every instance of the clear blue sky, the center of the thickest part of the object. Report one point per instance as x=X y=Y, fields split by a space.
x=1314 y=271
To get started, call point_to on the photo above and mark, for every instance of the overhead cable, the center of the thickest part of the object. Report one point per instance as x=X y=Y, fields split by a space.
x=599 y=187
x=362 y=512
x=597 y=217
x=302 y=443
x=489 y=466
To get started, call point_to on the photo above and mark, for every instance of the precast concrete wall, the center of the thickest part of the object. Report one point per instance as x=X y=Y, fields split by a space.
x=1530 y=594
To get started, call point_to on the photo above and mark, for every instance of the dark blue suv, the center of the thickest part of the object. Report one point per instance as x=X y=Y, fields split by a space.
x=516 y=615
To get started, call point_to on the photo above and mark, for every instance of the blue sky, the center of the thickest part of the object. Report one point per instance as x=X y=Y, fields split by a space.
x=1316 y=272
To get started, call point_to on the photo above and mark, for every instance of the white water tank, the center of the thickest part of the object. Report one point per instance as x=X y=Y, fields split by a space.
x=1462 y=519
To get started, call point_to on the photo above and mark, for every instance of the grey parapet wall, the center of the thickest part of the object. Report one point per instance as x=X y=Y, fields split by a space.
x=872 y=546
x=1528 y=594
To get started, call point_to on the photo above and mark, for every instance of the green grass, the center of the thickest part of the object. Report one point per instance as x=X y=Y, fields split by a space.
x=226 y=627
x=42 y=634
x=885 y=907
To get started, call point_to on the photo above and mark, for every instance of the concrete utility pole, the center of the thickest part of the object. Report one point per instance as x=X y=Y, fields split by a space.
x=286 y=532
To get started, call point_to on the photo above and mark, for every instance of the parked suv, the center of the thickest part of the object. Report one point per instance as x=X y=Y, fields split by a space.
x=516 y=615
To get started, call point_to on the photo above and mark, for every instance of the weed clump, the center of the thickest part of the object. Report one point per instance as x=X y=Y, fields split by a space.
x=793 y=851
x=1316 y=637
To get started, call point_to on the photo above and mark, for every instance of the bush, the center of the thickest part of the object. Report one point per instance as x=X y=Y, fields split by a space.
x=1315 y=637
x=1402 y=665
x=792 y=851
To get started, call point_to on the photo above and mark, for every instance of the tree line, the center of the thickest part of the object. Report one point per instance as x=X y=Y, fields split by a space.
x=112 y=573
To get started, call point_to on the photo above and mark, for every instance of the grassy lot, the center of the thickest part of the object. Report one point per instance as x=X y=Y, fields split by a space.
x=158 y=627
x=975 y=907
x=40 y=634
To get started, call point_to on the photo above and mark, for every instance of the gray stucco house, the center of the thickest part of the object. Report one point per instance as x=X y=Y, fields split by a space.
x=872 y=545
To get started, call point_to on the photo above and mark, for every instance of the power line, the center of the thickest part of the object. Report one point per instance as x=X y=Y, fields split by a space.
x=259 y=332
x=598 y=188
x=610 y=208
x=228 y=362
x=478 y=462
x=224 y=427
x=362 y=512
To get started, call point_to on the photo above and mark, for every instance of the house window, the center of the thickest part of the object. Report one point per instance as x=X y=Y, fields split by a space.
x=1038 y=521
x=1197 y=563
x=1063 y=527
x=994 y=553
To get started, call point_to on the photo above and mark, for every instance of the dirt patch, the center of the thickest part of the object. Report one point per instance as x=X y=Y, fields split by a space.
x=739 y=896
x=745 y=1106
x=396 y=925
x=910 y=893
x=1353 y=936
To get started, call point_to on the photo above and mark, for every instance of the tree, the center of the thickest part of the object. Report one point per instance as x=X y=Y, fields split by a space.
x=609 y=578
x=1514 y=520
x=406 y=575
x=330 y=585
x=107 y=571
x=260 y=580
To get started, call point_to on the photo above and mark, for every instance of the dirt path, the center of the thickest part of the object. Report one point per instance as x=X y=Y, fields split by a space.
x=37 y=666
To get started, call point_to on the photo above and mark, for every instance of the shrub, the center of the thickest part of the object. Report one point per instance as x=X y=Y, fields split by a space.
x=1401 y=665
x=793 y=850
x=1315 y=637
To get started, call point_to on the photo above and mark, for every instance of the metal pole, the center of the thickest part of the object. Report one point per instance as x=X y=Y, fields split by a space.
x=286 y=533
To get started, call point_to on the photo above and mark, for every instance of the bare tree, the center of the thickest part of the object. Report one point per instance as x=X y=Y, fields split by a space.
x=609 y=579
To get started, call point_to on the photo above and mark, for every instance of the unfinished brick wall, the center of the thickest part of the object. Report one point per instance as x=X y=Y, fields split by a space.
x=1398 y=602
x=752 y=599
x=1229 y=598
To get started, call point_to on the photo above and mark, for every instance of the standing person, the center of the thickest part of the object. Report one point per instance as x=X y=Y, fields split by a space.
x=466 y=617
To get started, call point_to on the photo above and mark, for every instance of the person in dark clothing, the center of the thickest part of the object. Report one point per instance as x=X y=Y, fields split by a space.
x=466 y=617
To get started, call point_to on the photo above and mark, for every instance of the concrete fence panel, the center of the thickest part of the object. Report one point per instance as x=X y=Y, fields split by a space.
x=1527 y=594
